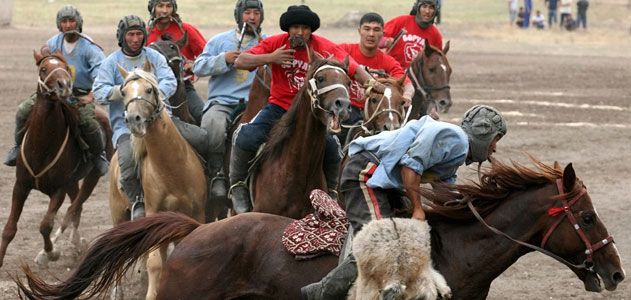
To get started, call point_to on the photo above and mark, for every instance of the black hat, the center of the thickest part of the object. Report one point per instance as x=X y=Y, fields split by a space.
x=299 y=15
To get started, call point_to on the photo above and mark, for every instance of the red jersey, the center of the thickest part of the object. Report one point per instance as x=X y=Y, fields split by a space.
x=411 y=43
x=380 y=61
x=287 y=80
x=196 y=41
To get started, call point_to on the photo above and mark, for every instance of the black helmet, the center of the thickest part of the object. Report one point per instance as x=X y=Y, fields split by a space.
x=242 y=5
x=416 y=6
x=127 y=23
x=70 y=12
x=152 y=4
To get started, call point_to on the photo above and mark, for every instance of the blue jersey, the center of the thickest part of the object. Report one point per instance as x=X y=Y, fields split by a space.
x=84 y=60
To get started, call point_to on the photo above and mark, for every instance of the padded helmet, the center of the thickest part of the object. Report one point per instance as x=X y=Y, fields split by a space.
x=152 y=4
x=482 y=124
x=417 y=5
x=127 y=23
x=70 y=12
x=242 y=5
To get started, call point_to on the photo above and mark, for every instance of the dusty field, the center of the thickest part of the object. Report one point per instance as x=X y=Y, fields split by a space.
x=564 y=101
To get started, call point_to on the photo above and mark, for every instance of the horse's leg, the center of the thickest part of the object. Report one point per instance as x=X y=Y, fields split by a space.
x=20 y=193
x=72 y=190
x=155 y=260
x=46 y=227
x=74 y=211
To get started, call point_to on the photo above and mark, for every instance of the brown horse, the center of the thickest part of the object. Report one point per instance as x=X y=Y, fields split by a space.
x=171 y=52
x=291 y=160
x=172 y=175
x=243 y=258
x=430 y=73
x=50 y=159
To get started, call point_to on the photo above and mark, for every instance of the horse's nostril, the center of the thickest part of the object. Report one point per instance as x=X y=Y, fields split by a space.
x=618 y=277
x=338 y=103
x=137 y=118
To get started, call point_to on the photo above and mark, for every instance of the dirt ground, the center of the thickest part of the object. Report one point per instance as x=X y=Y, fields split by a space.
x=564 y=101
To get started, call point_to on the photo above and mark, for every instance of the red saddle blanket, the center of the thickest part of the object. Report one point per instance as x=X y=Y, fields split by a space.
x=319 y=233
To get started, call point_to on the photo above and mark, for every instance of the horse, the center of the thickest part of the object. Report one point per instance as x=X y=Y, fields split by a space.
x=50 y=158
x=171 y=52
x=478 y=231
x=382 y=112
x=430 y=73
x=171 y=173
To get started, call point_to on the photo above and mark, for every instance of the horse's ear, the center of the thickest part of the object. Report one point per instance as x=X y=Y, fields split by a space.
x=147 y=66
x=345 y=62
x=557 y=166
x=401 y=80
x=183 y=41
x=427 y=48
x=122 y=71
x=446 y=48
x=569 y=177
x=38 y=56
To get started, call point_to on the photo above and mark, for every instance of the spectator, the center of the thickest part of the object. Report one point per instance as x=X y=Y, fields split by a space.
x=566 y=11
x=581 y=13
x=512 y=11
x=570 y=23
x=539 y=21
x=552 y=11
x=520 y=17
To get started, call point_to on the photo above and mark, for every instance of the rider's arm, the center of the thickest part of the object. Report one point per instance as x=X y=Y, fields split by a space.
x=248 y=61
x=166 y=79
x=411 y=184
x=105 y=82
x=212 y=61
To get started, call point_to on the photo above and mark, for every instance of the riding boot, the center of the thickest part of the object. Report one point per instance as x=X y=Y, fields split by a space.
x=332 y=174
x=194 y=135
x=239 y=193
x=334 y=285
x=20 y=131
x=218 y=179
x=96 y=142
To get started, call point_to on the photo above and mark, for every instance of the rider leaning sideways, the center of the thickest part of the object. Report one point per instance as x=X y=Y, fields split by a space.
x=384 y=167
x=367 y=54
x=405 y=35
x=287 y=53
x=164 y=19
x=227 y=86
x=84 y=58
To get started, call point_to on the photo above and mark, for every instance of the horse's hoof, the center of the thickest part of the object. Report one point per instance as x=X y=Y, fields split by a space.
x=446 y=295
x=42 y=259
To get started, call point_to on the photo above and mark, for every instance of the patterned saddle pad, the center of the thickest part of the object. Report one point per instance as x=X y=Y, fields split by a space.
x=319 y=233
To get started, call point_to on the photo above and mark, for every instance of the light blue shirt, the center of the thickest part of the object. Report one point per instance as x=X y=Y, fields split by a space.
x=226 y=84
x=84 y=59
x=109 y=77
x=432 y=148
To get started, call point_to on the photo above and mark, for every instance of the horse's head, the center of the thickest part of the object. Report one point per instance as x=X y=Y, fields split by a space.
x=171 y=51
x=577 y=234
x=430 y=73
x=55 y=77
x=141 y=97
x=385 y=111
x=328 y=86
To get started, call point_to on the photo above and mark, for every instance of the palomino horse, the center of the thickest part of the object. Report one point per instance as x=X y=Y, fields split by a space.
x=171 y=173
x=50 y=158
x=430 y=73
x=171 y=51
x=242 y=257
x=382 y=112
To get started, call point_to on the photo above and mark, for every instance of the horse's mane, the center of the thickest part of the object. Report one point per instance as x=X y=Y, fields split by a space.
x=285 y=126
x=419 y=56
x=497 y=183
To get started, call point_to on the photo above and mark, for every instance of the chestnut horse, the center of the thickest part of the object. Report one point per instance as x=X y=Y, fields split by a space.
x=430 y=73
x=242 y=257
x=171 y=52
x=50 y=158
x=171 y=173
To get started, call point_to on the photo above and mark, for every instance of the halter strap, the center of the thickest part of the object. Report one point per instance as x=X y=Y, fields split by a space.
x=42 y=83
x=50 y=165
x=315 y=92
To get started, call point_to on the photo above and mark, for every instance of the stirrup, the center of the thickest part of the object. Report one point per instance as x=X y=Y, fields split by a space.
x=239 y=183
x=137 y=209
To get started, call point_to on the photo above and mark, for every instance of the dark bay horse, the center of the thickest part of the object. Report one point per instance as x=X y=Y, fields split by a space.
x=430 y=74
x=171 y=51
x=51 y=159
x=242 y=257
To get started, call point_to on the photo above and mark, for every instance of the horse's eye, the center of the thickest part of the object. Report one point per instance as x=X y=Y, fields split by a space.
x=172 y=46
x=43 y=70
x=432 y=70
x=148 y=90
x=320 y=79
x=373 y=100
x=587 y=218
x=122 y=93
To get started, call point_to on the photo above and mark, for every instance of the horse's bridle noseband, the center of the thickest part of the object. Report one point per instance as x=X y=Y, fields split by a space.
x=42 y=83
x=315 y=92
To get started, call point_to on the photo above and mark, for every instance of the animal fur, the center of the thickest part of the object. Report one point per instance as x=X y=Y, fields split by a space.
x=394 y=262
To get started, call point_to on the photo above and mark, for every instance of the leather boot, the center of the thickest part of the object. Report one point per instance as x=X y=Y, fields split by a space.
x=239 y=193
x=334 y=285
x=20 y=131
x=332 y=174
x=96 y=143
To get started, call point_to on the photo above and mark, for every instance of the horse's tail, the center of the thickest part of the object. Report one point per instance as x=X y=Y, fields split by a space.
x=110 y=256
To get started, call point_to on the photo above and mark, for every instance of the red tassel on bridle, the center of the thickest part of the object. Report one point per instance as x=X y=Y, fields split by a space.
x=554 y=211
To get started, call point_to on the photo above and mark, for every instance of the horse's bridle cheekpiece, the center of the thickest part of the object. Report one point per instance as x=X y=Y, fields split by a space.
x=315 y=92
x=157 y=107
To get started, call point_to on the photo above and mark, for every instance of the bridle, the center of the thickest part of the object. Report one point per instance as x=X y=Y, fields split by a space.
x=157 y=107
x=420 y=85
x=588 y=263
x=42 y=83
x=315 y=92
x=387 y=94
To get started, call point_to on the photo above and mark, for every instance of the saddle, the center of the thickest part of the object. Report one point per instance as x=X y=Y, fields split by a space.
x=319 y=233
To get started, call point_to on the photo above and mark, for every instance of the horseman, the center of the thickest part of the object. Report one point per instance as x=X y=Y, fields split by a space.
x=384 y=167
x=131 y=35
x=84 y=58
x=367 y=54
x=288 y=53
x=164 y=19
x=227 y=86
x=406 y=34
